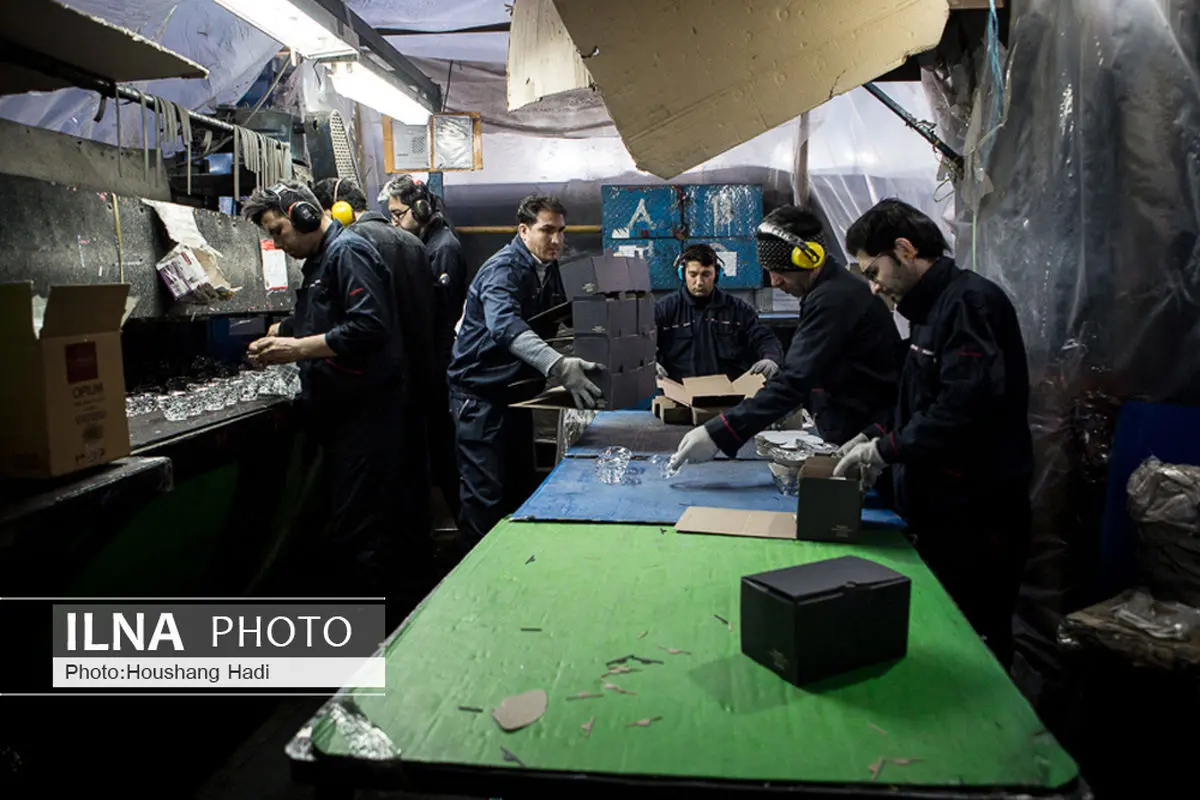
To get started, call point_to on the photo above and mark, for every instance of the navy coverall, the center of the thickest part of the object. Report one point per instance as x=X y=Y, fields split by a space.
x=842 y=366
x=352 y=405
x=408 y=263
x=450 y=281
x=495 y=442
x=717 y=335
x=960 y=447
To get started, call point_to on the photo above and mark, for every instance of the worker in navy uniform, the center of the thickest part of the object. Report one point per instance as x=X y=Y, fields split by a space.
x=344 y=336
x=959 y=445
x=501 y=357
x=415 y=209
x=703 y=330
x=842 y=364
x=413 y=286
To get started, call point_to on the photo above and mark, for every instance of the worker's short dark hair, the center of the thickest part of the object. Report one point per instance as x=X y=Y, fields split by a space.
x=702 y=253
x=331 y=190
x=797 y=221
x=888 y=220
x=531 y=206
x=278 y=198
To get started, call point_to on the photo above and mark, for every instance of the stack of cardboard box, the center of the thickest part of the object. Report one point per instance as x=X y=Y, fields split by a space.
x=613 y=312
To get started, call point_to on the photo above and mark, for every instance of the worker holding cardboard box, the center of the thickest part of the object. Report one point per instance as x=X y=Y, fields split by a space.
x=959 y=446
x=843 y=363
x=705 y=331
x=345 y=337
x=500 y=358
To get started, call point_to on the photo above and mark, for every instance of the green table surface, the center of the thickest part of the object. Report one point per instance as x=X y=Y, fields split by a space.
x=594 y=589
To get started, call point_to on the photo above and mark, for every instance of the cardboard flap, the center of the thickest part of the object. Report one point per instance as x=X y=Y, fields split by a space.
x=748 y=385
x=554 y=399
x=16 y=312
x=75 y=310
x=736 y=522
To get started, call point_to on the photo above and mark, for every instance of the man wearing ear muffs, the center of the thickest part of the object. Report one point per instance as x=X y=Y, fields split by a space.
x=843 y=362
x=345 y=337
x=703 y=330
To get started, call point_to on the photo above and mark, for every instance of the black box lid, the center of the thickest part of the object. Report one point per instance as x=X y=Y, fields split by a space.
x=821 y=578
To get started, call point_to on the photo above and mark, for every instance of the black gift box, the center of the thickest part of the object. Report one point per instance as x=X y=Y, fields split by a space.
x=621 y=354
x=608 y=274
x=817 y=620
x=613 y=316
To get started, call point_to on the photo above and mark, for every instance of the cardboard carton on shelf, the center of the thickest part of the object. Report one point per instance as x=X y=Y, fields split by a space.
x=62 y=400
x=825 y=618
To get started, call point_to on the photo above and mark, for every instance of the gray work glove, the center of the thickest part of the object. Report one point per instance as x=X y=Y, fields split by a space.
x=697 y=447
x=863 y=460
x=661 y=370
x=766 y=367
x=570 y=372
x=845 y=449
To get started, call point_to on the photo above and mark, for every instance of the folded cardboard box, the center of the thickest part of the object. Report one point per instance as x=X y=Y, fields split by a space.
x=585 y=275
x=822 y=619
x=611 y=316
x=645 y=313
x=828 y=509
x=62 y=400
x=671 y=412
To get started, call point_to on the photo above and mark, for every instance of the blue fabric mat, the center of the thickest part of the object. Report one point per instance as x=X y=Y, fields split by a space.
x=642 y=432
x=573 y=493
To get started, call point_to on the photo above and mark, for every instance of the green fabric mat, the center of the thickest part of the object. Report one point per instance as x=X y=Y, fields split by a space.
x=593 y=589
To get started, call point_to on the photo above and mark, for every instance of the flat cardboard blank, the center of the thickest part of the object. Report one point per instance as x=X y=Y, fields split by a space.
x=519 y=710
x=735 y=522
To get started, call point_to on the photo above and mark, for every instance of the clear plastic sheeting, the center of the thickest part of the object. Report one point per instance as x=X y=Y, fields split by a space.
x=453 y=142
x=1164 y=501
x=233 y=52
x=1138 y=628
x=1082 y=200
x=1160 y=620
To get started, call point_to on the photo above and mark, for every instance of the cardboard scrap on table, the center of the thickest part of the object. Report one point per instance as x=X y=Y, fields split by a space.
x=519 y=710
x=735 y=522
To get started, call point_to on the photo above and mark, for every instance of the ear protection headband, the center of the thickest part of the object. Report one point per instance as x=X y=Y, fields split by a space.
x=680 y=261
x=341 y=210
x=305 y=216
x=422 y=208
x=806 y=255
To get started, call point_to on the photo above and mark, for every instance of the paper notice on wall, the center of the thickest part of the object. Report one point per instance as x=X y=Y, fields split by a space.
x=274 y=267
x=728 y=262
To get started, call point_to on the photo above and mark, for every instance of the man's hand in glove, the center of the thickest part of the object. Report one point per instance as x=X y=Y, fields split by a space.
x=661 y=370
x=767 y=368
x=570 y=372
x=863 y=460
x=697 y=447
x=845 y=449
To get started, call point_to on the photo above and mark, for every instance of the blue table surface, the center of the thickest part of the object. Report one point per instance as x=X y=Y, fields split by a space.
x=642 y=432
x=572 y=492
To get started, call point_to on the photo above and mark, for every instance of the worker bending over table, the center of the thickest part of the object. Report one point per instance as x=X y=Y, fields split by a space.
x=501 y=357
x=705 y=331
x=844 y=359
x=959 y=445
x=346 y=339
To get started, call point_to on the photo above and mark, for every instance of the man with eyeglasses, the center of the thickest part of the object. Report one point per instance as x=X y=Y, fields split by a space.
x=842 y=364
x=959 y=445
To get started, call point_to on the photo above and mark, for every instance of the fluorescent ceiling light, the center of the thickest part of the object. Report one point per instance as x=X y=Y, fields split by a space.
x=300 y=24
x=363 y=84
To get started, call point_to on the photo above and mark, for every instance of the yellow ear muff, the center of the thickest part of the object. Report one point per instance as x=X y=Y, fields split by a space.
x=810 y=257
x=344 y=214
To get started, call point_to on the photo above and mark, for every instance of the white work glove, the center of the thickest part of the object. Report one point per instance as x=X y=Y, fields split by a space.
x=845 y=449
x=570 y=371
x=863 y=459
x=661 y=370
x=697 y=447
x=766 y=367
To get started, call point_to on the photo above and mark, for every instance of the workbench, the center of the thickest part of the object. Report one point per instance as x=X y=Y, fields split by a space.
x=546 y=605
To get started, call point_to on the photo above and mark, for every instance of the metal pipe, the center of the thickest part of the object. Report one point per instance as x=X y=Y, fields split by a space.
x=924 y=129
x=513 y=229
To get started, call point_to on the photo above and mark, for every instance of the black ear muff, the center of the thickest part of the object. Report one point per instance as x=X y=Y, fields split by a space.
x=305 y=216
x=422 y=209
